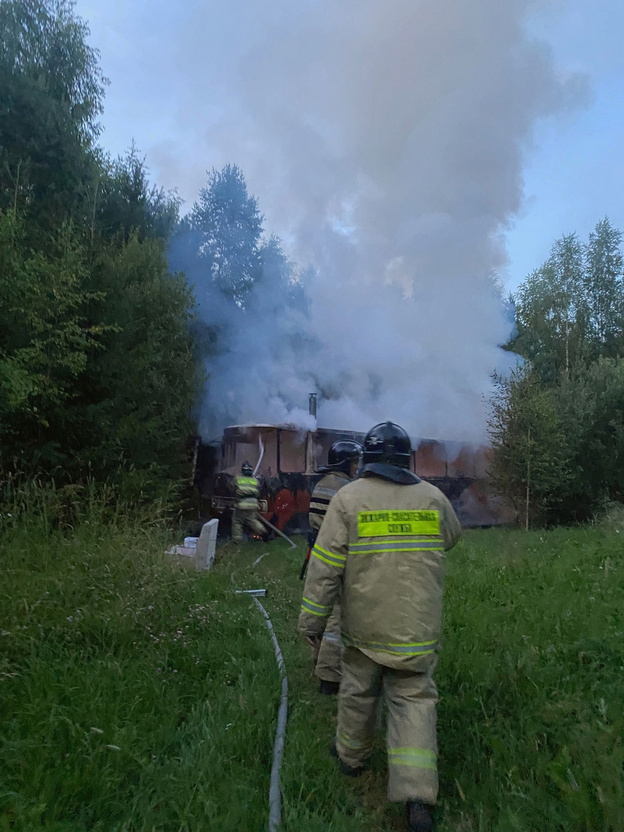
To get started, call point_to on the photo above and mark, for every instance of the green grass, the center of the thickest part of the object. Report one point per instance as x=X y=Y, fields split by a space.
x=141 y=696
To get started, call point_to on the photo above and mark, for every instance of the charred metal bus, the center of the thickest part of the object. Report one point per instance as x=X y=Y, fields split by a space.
x=285 y=460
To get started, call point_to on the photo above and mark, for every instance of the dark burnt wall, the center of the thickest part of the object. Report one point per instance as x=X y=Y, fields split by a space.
x=457 y=469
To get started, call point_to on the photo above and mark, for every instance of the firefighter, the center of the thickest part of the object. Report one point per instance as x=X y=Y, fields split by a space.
x=247 y=505
x=343 y=461
x=380 y=550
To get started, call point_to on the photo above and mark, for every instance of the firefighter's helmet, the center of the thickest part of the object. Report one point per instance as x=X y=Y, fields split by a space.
x=342 y=453
x=246 y=469
x=387 y=443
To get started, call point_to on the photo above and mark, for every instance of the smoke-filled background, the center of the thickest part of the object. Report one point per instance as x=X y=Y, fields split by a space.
x=386 y=143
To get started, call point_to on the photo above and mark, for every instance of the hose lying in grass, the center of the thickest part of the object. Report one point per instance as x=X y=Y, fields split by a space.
x=275 y=799
x=277 y=531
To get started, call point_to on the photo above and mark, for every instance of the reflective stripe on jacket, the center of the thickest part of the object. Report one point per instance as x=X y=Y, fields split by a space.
x=247 y=491
x=381 y=547
x=322 y=493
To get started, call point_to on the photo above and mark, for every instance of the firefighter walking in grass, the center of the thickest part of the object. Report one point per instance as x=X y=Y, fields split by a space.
x=343 y=461
x=380 y=550
x=247 y=505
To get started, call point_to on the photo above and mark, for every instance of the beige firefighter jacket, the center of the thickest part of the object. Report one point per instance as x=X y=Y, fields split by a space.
x=322 y=493
x=247 y=492
x=381 y=548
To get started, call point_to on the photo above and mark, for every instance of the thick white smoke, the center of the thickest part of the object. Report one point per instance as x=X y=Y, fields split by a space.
x=386 y=142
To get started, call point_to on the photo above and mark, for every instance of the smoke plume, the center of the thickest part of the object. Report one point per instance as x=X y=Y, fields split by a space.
x=385 y=141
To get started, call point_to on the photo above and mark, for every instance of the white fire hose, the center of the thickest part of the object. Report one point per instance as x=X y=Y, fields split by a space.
x=275 y=797
x=266 y=522
x=277 y=531
x=261 y=443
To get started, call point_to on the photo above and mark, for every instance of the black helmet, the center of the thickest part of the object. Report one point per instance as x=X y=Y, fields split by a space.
x=341 y=453
x=246 y=469
x=387 y=443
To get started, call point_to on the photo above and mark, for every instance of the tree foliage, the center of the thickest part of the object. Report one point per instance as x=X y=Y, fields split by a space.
x=51 y=90
x=45 y=339
x=570 y=311
x=100 y=348
x=529 y=448
x=137 y=394
x=228 y=225
x=125 y=202
x=551 y=312
x=570 y=331
x=97 y=368
x=603 y=289
x=591 y=406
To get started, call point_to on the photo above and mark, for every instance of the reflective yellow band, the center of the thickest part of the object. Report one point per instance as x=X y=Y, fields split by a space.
x=402 y=545
x=247 y=503
x=247 y=481
x=416 y=757
x=320 y=609
x=348 y=742
x=388 y=523
x=308 y=611
x=413 y=648
x=329 y=557
x=423 y=752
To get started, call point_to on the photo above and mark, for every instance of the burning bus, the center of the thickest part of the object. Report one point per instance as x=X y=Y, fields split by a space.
x=286 y=458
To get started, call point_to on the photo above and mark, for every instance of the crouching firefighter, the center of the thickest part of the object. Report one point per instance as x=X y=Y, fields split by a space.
x=343 y=461
x=380 y=549
x=246 y=512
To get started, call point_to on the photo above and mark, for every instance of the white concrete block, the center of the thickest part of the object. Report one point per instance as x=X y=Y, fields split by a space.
x=206 y=544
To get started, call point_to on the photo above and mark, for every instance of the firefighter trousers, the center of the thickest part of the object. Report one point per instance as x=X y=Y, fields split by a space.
x=329 y=661
x=411 y=730
x=249 y=518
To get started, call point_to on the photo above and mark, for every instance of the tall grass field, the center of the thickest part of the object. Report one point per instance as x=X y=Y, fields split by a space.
x=137 y=695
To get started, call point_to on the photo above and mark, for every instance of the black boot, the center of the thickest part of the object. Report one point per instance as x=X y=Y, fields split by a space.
x=349 y=771
x=419 y=817
x=329 y=688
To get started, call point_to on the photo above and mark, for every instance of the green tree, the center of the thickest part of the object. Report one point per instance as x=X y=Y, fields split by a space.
x=228 y=227
x=570 y=327
x=127 y=203
x=97 y=365
x=591 y=406
x=51 y=91
x=45 y=339
x=138 y=391
x=603 y=289
x=529 y=451
x=551 y=312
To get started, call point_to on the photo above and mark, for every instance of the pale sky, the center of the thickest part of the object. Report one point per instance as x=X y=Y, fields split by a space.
x=150 y=49
x=576 y=174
